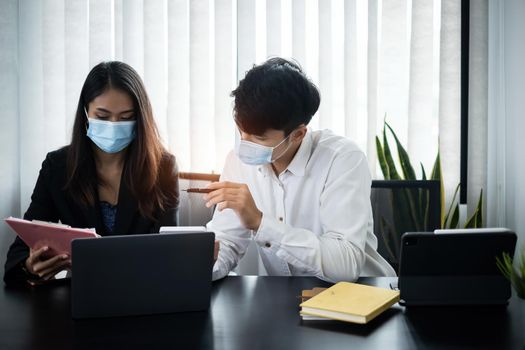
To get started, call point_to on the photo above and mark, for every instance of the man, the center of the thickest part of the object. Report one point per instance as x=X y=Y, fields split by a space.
x=302 y=195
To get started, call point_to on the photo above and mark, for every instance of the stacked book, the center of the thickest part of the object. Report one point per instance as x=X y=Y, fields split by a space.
x=345 y=301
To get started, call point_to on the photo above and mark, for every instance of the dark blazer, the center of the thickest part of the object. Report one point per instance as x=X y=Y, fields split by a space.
x=50 y=202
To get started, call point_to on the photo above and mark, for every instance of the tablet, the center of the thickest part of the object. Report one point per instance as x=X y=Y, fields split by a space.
x=454 y=268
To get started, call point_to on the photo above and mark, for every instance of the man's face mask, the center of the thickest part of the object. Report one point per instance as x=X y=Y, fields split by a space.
x=111 y=137
x=252 y=153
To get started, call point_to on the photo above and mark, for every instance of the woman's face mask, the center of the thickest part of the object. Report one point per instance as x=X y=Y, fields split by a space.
x=110 y=137
x=252 y=153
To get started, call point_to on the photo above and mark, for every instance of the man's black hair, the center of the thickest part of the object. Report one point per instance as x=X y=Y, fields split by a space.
x=274 y=95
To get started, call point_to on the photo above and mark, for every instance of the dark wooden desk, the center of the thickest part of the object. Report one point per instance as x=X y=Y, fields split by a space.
x=254 y=313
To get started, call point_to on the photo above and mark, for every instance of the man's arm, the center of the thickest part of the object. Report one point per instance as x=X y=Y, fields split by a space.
x=232 y=235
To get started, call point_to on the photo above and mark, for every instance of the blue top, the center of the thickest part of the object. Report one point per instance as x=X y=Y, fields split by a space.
x=109 y=213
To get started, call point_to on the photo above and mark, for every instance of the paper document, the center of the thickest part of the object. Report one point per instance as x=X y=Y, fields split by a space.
x=57 y=237
x=182 y=229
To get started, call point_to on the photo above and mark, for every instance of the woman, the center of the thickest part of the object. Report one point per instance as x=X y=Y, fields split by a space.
x=115 y=175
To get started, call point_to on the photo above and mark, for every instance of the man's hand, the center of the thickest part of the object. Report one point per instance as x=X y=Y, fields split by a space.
x=238 y=198
x=46 y=268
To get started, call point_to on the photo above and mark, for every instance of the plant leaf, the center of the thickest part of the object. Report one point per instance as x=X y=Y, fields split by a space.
x=479 y=209
x=412 y=197
x=451 y=206
x=423 y=173
x=455 y=217
x=409 y=174
x=382 y=160
x=425 y=201
x=522 y=263
x=388 y=233
x=471 y=222
x=404 y=159
x=438 y=175
x=504 y=266
x=436 y=169
x=476 y=220
x=394 y=175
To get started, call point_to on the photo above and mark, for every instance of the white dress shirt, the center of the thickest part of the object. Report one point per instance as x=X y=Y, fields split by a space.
x=317 y=215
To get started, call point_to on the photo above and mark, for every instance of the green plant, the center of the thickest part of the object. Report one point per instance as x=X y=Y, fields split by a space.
x=411 y=206
x=451 y=219
x=390 y=172
x=516 y=275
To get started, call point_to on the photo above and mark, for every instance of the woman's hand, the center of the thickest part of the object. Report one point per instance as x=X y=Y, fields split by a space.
x=238 y=198
x=46 y=268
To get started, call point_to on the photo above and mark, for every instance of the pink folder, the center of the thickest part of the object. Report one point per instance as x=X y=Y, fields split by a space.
x=37 y=234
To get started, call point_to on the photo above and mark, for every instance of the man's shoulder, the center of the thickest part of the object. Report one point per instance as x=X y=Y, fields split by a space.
x=327 y=143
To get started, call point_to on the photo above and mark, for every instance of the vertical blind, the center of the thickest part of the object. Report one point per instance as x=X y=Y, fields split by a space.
x=370 y=59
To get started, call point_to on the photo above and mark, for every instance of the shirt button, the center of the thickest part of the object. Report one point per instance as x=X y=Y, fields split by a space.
x=267 y=245
x=281 y=218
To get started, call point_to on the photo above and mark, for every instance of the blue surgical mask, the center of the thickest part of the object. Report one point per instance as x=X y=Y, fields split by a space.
x=254 y=154
x=111 y=137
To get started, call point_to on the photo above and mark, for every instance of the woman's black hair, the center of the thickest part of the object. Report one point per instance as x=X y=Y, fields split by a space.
x=148 y=169
x=274 y=95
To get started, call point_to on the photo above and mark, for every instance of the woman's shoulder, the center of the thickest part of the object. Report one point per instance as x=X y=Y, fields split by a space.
x=56 y=159
x=169 y=180
x=168 y=164
x=53 y=169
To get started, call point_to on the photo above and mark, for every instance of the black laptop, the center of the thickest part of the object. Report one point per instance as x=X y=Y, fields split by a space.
x=454 y=268
x=141 y=274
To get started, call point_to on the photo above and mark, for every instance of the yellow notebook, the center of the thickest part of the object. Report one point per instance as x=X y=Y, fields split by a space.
x=350 y=302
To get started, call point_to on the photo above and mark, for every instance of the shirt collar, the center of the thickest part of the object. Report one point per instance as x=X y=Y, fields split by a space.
x=298 y=164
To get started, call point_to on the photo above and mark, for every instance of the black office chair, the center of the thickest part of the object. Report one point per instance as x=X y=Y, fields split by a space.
x=400 y=206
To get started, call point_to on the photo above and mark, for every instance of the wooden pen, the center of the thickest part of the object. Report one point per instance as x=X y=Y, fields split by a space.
x=198 y=190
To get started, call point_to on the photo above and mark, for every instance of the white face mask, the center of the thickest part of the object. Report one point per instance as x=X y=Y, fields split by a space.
x=252 y=153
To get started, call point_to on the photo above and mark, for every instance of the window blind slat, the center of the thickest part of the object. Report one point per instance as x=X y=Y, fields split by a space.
x=246 y=55
x=156 y=60
x=178 y=104
x=449 y=94
x=325 y=64
x=422 y=125
x=273 y=27
x=53 y=63
x=393 y=66
x=101 y=31
x=76 y=56
x=202 y=123
x=133 y=34
x=225 y=72
x=374 y=120
x=9 y=132
x=32 y=140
